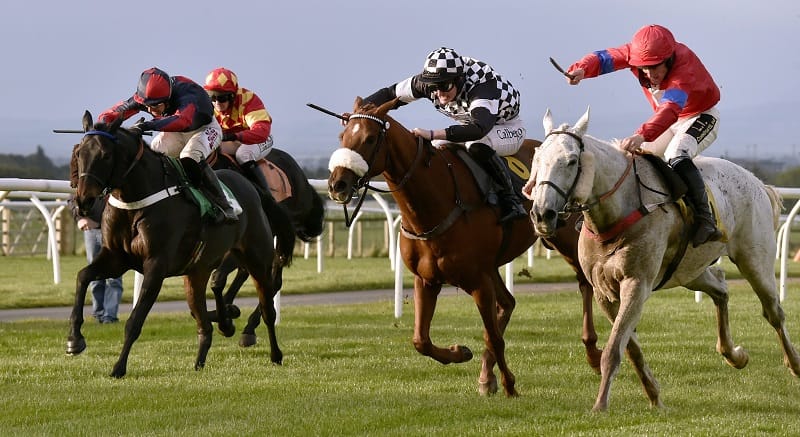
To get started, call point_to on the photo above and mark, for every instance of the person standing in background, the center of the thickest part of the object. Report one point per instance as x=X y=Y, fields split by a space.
x=106 y=293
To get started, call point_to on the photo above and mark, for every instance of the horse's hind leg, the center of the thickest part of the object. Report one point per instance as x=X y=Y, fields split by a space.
x=487 y=382
x=712 y=282
x=762 y=279
x=248 y=337
x=486 y=298
x=263 y=283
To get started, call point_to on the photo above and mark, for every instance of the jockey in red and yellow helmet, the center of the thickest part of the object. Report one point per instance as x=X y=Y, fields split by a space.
x=246 y=124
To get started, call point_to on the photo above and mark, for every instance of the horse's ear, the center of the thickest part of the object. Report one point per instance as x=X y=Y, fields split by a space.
x=391 y=104
x=87 y=121
x=582 y=124
x=584 y=184
x=116 y=123
x=547 y=122
x=357 y=103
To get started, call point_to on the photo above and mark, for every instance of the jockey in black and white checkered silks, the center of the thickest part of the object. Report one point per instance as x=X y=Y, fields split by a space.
x=484 y=105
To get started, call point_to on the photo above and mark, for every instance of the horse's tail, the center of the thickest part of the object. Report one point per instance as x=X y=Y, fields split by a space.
x=776 y=201
x=314 y=220
x=282 y=228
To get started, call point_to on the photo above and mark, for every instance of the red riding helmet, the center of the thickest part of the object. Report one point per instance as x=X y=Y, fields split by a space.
x=155 y=86
x=222 y=80
x=651 y=45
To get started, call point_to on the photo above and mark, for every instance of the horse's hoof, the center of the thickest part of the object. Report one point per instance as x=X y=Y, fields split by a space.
x=467 y=354
x=228 y=330
x=118 y=371
x=233 y=311
x=738 y=359
x=247 y=340
x=76 y=345
x=487 y=388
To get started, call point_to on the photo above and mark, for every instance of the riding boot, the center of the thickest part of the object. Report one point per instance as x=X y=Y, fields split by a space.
x=509 y=202
x=214 y=192
x=705 y=227
x=252 y=172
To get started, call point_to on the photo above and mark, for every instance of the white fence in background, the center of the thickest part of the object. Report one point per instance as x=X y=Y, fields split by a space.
x=55 y=192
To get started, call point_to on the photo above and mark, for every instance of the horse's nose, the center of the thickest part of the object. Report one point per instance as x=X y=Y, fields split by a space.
x=543 y=216
x=339 y=186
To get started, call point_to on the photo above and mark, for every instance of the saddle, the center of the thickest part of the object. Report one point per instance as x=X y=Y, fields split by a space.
x=277 y=180
x=196 y=195
x=674 y=182
x=518 y=170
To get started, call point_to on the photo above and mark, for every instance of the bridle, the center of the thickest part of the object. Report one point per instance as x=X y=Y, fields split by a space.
x=106 y=184
x=363 y=181
x=570 y=205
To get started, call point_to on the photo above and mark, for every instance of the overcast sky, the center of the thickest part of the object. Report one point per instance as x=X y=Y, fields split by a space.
x=61 y=58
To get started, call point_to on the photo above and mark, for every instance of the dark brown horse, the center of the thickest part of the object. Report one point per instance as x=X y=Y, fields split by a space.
x=306 y=211
x=153 y=227
x=450 y=234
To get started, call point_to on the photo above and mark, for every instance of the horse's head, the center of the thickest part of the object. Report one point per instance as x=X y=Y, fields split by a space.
x=363 y=153
x=558 y=177
x=93 y=162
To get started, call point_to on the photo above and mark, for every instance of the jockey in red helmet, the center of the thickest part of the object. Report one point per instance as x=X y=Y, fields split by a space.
x=684 y=97
x=246 y=124
x=184 y=117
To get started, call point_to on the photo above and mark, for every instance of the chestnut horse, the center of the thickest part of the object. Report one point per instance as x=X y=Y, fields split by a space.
x=153 y=227
x=635 y=240
x=449 y=233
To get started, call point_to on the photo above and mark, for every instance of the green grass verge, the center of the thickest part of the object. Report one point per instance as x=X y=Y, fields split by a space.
x=351 y=370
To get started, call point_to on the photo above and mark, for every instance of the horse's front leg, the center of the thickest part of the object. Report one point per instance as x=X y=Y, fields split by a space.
x=624 y=315
x=487 y=381
x=195 y=286
x=76 y=343
x=425 y=297
x=105 y=265
x=151 y=286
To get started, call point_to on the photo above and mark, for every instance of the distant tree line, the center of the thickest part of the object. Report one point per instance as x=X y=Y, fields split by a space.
x=34 y=166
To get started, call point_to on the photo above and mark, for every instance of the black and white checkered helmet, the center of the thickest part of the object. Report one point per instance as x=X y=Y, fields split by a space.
x=441 y=65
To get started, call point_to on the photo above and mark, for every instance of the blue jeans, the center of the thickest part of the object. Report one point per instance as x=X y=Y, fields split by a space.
x=106 y=293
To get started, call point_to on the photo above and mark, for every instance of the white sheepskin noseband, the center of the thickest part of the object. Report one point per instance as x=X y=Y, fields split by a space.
x=350 y=160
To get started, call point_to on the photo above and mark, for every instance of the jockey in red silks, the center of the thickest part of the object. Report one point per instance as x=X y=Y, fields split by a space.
x=183 y=115
x=684 y=97
x=246 y=124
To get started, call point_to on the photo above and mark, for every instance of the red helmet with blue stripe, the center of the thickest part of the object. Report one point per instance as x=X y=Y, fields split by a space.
x=651 y=45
